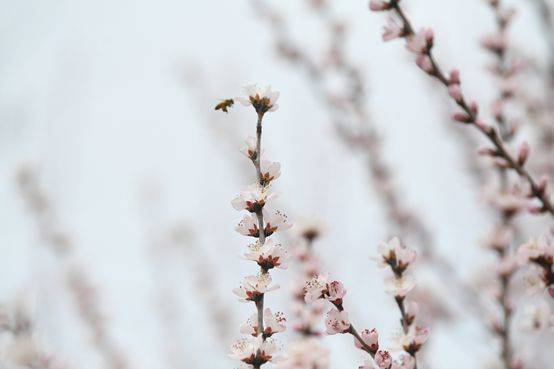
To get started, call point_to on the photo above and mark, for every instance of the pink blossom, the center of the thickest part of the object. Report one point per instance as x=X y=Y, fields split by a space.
x=337 y=322
x=248 y=226
x=253 y=287
x=461 y=117
x=383 y=359
x=268 y=255
x=404 y=362
x=319 y=287
x=392 y=30
x=379 y=5
x=425 y=63
x=412 y=309
x=455 y=92
x=273 y=323
x=396 y=255
x=523 y=153
x=421 y=42
x=335 y=292
x=253 y=198
x=370 y=338
x=494 y=42
x=399 y=286
x=414 y=339
x=248 y=149
x=276 y=221
x=270 y=171
x=261 y=100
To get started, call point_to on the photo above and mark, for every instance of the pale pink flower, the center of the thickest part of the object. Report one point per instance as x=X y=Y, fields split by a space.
x=494 y=42
x=392 y=30
x=268 y=255
x=399 y=286
x=421 y=42
x=455 y=92
x=254 y=349
x=395 y=254
x=337 y=322
x=335 y=292
x=273 y=323
x=412 y=309
x=314 y=288
x=275 y=221
x=245 y=349
x=414 y=339
x=379 y=5
x=254 y=286
x=383 y=359
x=270 y=170
x=248 y=226
x=319 y=287
x=425 y=63
x=262 y=100
x=248 y=149
x=253 y=198
x=523 y=153
x=370 y=338
x=542 y=247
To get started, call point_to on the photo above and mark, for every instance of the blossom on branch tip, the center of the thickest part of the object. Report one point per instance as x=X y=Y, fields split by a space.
x=273 y=323
x=262 y=100
x=268 y=255
x=337 y=322
x=370 y=338
x=253 y=287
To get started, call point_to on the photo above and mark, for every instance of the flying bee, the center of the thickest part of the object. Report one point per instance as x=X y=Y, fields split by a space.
x=224 y=105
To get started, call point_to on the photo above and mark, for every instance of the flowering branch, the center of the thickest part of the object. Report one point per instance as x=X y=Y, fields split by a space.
x=421 y=44
x=258 y=348
x=398 y=258
x=505 y=69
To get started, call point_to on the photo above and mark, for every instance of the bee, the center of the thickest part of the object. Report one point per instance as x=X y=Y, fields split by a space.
x=224 y=105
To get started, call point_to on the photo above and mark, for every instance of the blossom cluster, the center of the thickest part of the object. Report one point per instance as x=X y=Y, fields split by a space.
x=398 y=258
x=539 y=253
x=258 y=346
x=307 y=350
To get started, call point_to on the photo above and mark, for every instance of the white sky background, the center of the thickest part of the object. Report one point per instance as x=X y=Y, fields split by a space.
x=94 y=93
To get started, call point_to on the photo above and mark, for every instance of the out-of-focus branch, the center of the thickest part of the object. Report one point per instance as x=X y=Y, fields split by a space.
x=78 y=284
